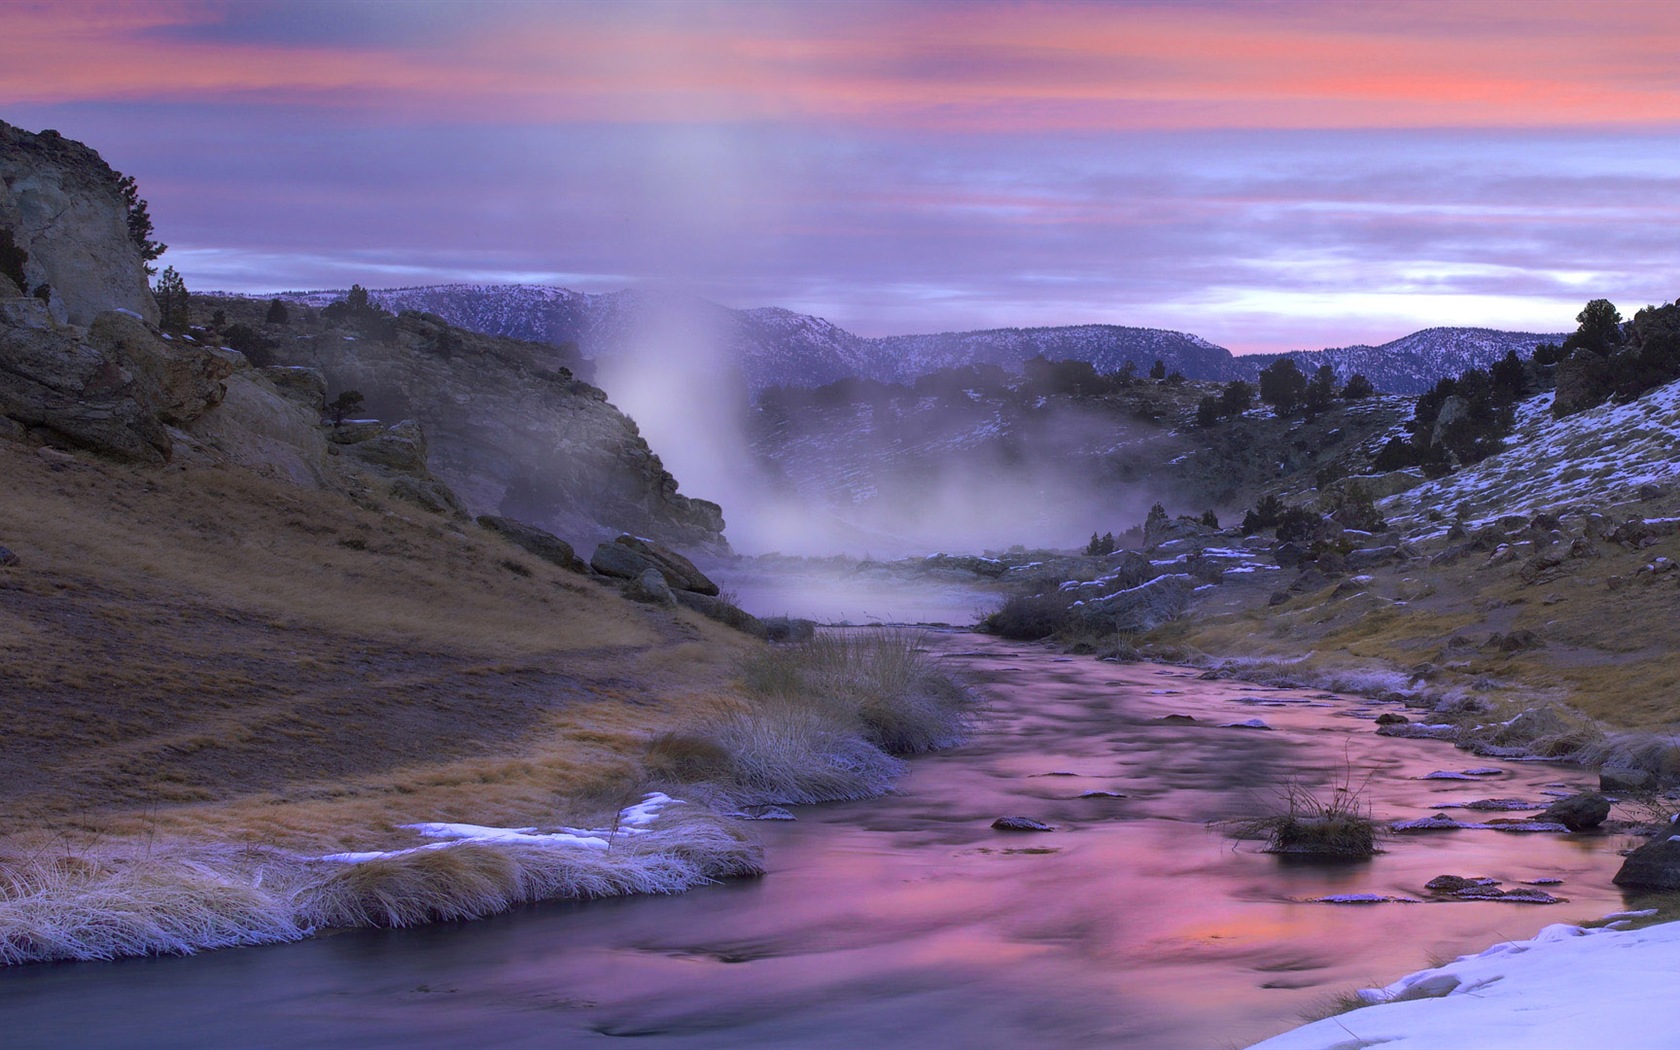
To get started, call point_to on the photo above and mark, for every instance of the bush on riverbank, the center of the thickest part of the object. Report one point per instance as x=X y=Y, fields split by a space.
x=1031 y=617
x=828 y=718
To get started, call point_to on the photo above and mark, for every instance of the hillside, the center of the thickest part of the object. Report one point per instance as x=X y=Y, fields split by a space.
x=949 y=467
x=261 y=674
x=776 y=347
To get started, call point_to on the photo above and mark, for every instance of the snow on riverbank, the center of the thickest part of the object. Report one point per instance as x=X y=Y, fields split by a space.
x=1568 y=987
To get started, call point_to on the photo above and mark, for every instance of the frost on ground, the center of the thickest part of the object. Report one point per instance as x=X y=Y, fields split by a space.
x=1593 y=456
x=1567 y=987
x=104 y=904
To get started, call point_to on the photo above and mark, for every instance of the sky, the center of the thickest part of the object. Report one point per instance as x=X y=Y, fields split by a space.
x=1270 y=176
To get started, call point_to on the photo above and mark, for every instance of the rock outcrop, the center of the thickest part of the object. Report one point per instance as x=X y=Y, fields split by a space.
x=510 y=428
x=1141 y=608
x=65 y=212
x=81 y=361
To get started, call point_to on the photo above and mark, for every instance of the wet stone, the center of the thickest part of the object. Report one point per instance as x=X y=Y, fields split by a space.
x=1020 y=824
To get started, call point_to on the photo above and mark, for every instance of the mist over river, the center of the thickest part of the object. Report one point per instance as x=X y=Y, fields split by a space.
x=907 y=921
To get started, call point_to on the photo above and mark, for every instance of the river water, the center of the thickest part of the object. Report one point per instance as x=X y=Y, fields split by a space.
x=908 y=922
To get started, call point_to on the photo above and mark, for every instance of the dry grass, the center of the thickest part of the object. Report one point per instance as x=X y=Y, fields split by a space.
x=207 y=676
x=825 y=721
x=120 y=899
x=880 y=679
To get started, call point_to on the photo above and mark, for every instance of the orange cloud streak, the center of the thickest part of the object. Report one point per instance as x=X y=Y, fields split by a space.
x=983 y=67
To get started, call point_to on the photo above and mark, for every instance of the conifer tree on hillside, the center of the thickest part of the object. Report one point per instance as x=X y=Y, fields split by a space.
x=140 y=222
x=1358 y=388
x=1321 y=390
x=277 y=312
x=1282 y=386
x=171 y=295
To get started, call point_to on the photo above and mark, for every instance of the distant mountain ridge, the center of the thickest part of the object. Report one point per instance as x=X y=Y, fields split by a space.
x=778 y=347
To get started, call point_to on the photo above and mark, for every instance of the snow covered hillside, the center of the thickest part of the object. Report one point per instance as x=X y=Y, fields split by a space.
x=1412 y=363
x=1591 y=458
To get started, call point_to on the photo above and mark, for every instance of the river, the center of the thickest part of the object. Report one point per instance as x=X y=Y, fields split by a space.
x=908 y=922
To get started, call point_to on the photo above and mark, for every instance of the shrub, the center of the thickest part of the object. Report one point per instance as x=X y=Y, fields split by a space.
x=1358 y=388
x=1339 y=825
x=1297 y=524
x=344 y=405
x=1264 y=515
x=1030 y=617
x=1354 y=509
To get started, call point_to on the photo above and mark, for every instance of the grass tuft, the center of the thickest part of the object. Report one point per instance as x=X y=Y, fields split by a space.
x=1308 y=824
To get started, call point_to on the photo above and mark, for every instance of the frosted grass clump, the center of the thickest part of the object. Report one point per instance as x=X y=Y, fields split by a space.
x=114 y=901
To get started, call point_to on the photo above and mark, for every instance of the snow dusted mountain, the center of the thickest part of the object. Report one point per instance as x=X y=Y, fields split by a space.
x=1107 y=347
x=776 y=347
x=1412 y=363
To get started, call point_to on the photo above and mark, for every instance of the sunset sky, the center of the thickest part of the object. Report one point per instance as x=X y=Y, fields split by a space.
x=1268 y=175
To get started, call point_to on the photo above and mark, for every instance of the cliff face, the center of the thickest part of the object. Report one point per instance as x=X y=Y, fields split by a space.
x=509 y=427
x=66 y=212
x=81 y=364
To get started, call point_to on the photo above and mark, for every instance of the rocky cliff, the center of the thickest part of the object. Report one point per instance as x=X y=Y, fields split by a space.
x=510 y=427
x=81 y=364
x=67 y=218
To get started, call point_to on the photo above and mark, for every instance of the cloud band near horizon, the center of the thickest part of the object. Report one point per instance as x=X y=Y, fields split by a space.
x=1269 y=176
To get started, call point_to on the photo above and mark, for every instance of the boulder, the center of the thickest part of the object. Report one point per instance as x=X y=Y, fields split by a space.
x=678 y=570
x=1623 y=780
x=1518 y=641
x=612 y=559
x=1390 y=718
x=545 y=545
x=1583 y=380
x=1581 y=812
x=650 y=588
x=427 y=493
x=1371 y=557
x=1653 y=866
x=723 y=612
x=79 y=395
x=1141 y=608
x=1453 y=409
x=788 y=629
x=178 y=382
x=1457 y=883
x=401 y=448
x=1020 y=824
x=306 y=386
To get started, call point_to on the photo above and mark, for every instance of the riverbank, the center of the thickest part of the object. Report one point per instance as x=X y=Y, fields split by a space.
x=216 y=681
x=908 y=919
x=1567 y=986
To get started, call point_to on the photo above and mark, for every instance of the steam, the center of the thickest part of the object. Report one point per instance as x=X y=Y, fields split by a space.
x=886 y=481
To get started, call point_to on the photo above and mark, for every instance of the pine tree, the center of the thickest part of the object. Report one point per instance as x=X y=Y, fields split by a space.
x=171 y=295
x=277 y=312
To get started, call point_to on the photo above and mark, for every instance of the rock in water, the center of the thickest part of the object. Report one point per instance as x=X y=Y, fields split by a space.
x=1655 y=865
x=1020 y=824
x=1581 y=812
